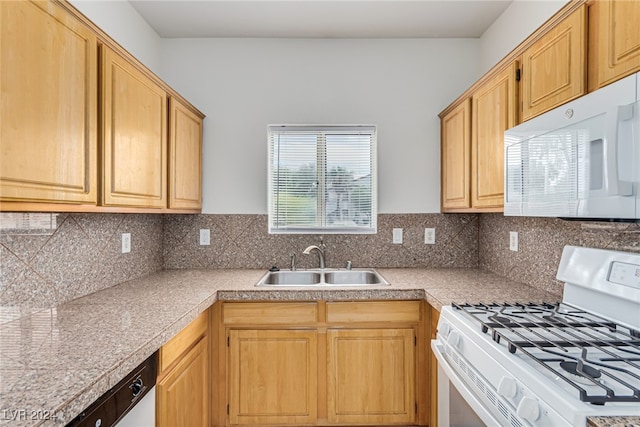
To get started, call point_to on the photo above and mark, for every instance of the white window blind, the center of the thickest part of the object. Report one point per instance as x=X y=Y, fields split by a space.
x=322 y=179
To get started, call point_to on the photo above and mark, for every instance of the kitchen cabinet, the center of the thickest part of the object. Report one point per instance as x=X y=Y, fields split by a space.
x=182 y=389
x=320 y=363
x=371 y=376
x=614 y=40
x=272 y=376
x=455 y=154
x=134 y=117
x=48 y=111
x=185 y=156
x=472 y=145
x=62 y=77
x=554 y=67
x=494 y=110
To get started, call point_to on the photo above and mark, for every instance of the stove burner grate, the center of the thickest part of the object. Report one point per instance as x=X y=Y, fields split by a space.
x=553 y=329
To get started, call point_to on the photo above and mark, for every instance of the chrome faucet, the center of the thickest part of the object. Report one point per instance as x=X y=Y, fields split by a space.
x=293 y=261
x=320 y=253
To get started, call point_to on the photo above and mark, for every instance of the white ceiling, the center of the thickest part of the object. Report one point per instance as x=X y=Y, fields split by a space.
x=321 y=18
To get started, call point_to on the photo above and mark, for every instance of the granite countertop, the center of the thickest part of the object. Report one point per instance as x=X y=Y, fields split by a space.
x=56 y=361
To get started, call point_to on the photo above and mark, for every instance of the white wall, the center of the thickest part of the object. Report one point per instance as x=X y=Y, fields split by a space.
x=242 y=85
x=125 y=25
x=515 y=24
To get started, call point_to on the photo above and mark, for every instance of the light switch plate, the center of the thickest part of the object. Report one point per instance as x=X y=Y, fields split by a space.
x=513 y=241
x=205 y=237
x=126 y=243
x=397 y=236
x=430 y=236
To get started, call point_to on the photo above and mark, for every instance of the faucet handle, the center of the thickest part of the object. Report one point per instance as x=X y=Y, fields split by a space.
x=348 y=266
x=293 y=261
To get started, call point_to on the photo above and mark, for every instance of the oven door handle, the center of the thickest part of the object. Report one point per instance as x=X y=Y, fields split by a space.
x=469 y=396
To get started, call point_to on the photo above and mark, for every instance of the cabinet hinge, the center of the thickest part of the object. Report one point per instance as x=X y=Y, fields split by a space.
x=415 y=341
x=227 y=409
x=228 y=341
x=416 y=406
x=518 y=75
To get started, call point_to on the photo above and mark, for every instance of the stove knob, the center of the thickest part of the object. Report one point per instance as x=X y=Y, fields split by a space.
x=444 y=328
x=528 y=409
x=507 y=387
x=453 y=339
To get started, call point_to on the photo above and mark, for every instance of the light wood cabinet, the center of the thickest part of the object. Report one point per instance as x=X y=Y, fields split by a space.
x=554 y=68
x=185 y=156
x=80 y=133
x=371 y=376
x=272 y=377
x=455 y=151
x=48 y=109
x=182 y=389
x=614 y=39
x=134 y=117
x=494 y=110
x=320 y=363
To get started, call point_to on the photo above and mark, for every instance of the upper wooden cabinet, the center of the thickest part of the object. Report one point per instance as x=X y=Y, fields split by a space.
x=185 y=156
x=554 y=68
x=134 y=135
x=48 y=109
x=455 y=152
x=54 y=156
x=494 y=110
x=614 y=39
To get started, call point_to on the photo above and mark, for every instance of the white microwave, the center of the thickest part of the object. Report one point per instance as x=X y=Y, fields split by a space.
x=580 y=160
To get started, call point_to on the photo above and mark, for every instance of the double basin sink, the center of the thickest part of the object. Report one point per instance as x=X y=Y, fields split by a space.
x=323 y=277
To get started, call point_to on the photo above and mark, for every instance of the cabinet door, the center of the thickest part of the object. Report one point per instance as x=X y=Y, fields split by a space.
x=182 y=395
x=272 y=377
x=48 y=108
x=371 y=376
x=185 y=157
x=456 y=157
x=134 y=135
x=554 y=68
x=617 y=38
x=494 y=110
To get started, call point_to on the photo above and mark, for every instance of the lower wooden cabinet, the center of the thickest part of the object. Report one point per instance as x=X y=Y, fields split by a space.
x=370 y=376
x=182 y=389
x=320 y=363
x=272 y=376
x=433 y=369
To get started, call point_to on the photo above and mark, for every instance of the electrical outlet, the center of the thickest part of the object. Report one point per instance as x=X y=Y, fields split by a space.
x=513 y=241
x=205 y=237
x=397 y=236
x=430 y=236
x=126 y=243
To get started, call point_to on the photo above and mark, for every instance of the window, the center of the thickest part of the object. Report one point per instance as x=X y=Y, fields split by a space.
x=322 y=179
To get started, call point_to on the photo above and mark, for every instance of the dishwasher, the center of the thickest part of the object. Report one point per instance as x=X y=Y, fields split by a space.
x=131 y=403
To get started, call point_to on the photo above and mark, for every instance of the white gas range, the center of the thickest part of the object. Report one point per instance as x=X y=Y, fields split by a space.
x=546 y=364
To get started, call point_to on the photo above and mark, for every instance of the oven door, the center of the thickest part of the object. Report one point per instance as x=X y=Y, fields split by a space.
x=458 y=405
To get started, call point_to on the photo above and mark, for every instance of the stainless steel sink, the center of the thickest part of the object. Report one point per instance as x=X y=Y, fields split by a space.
x=323 y=277
x=291 y=278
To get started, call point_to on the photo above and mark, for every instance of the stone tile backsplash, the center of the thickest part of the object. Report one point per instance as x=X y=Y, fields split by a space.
x=242 y=241
x=83 y=254
x=541 y=241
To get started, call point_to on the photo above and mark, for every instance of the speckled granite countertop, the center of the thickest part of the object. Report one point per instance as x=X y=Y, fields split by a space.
x=56 y=361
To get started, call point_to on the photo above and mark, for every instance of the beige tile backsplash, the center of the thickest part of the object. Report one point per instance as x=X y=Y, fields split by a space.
x=83 y=254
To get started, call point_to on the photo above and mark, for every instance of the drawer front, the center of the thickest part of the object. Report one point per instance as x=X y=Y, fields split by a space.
x=373 y=311
x=270 y=313
x=183 y=341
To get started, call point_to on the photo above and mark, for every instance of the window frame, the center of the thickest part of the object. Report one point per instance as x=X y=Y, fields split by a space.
x=322 y=175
